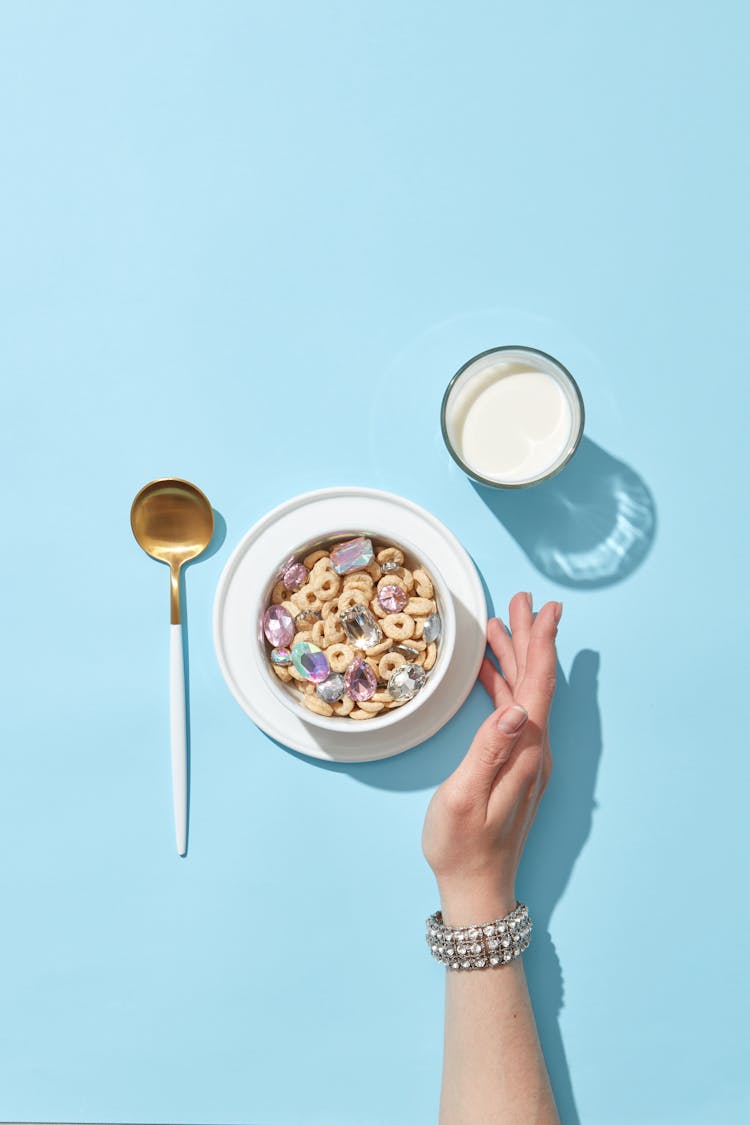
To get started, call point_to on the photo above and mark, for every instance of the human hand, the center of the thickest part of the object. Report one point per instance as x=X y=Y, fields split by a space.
x=478 y=819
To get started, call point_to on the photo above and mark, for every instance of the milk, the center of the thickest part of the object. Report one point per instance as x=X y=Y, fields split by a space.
x=512 y=422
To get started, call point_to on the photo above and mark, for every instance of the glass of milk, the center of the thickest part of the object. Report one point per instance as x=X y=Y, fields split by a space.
x=512 y=417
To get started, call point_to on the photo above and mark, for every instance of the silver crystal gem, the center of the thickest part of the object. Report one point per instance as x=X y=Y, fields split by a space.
x=386 y=567
x=307 y=617
x=332 y=688
x=407 y=651
x=361 y=627
x=405 y=681
x=494 y=960
x=432 y=627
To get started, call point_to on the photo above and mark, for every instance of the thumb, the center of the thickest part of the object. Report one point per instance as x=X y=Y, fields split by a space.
x=492 y=746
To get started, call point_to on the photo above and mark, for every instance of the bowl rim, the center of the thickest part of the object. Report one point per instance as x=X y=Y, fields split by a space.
x=448 y=621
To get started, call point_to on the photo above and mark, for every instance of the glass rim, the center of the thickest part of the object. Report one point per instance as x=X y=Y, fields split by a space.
x=472 y=473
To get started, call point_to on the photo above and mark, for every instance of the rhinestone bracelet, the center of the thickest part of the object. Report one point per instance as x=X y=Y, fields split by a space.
x=481 y=945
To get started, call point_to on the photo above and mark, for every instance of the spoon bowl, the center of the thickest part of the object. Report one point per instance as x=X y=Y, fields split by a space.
x=173 y=521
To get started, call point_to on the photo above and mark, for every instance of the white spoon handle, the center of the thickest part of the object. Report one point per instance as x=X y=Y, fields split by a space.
x=178 y=735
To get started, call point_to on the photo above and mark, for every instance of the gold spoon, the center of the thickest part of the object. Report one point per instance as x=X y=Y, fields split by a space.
x=173 y=521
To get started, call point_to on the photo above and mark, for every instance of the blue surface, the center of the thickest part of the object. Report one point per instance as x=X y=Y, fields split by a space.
x=248 y=246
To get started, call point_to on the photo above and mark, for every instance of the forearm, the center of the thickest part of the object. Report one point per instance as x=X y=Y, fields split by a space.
x=493 y=1067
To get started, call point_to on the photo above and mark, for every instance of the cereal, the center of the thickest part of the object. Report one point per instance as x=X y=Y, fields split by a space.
x=306 y=598
x=310 y=560
x=325 y=595
x=390 y=555
x=313 y=702
x=423 y=583
x=400 y=626
x=326 y=585
x=389 y=663
x=350 y=598
x=318 y=634
x=419 y=607
x=339 y=656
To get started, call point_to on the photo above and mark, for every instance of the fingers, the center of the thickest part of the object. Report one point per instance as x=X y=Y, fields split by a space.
x=521 y=620
x=541 y=661
x=492 y=747
x=494 y=684
x=502 y=646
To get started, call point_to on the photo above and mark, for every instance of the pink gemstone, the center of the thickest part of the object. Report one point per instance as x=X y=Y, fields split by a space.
x=278 y=625
x=295 y=576
x=392 y=598
x=360 y=682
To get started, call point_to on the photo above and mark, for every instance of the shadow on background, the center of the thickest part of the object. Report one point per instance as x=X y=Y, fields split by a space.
x=217 y=541
x=589 y=526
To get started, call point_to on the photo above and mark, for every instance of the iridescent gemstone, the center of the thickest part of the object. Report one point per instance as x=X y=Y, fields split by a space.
x=310 y=661
x=361 y=627
x=295 y=576
x=331 y=688
x=278 y=625
x=354 y=554
x=406 y=681
x=392 y=598
x=407 y=651
x=360 y=682
x=281 y=656
x=432 y=627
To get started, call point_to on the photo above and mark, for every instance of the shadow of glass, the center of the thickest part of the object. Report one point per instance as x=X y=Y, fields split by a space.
x=589 y=526
x=217 y=541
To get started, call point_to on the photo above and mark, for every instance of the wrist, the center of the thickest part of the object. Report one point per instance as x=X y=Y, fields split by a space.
x=465 y=904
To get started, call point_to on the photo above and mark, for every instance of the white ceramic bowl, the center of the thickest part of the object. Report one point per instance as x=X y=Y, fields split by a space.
x=414 y=557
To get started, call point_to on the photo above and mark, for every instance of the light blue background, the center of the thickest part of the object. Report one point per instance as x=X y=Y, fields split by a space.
x=248 y=245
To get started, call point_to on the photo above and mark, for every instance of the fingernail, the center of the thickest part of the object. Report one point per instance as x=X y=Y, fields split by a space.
x=512 y=718
x=530 y=601
x=558 y=612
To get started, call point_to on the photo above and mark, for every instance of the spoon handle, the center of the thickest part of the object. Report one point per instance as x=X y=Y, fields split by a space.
x=178 y=736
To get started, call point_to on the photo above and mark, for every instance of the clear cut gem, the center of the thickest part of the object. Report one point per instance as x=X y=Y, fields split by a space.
x=433 y=627
x=405 y=681
x=489 y=929
x=388 y=566
x=494 y=959
x=331 y=689
x=354 y=554
x=360 y=682
x=361 y=627
x=306 y=618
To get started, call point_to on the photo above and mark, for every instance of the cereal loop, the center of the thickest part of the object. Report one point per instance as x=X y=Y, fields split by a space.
x=392 y=580
x=391 y=554
x=278 y=593
x=282 y=672
x=400 y=626
x=373 y=708
x=349 y=599
x=430 y=657
x=358 y=713
x=314 y=703
x=306 y=598
x=303 y=635
x=378 y=650
x=326 y=585
x=334 y=630
x=340 y=657
x=424 y=583
x=318 y=634
x=343 y=706
x=377 y=609
x=310 y=560
x=419 y=607
x=389 y=663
